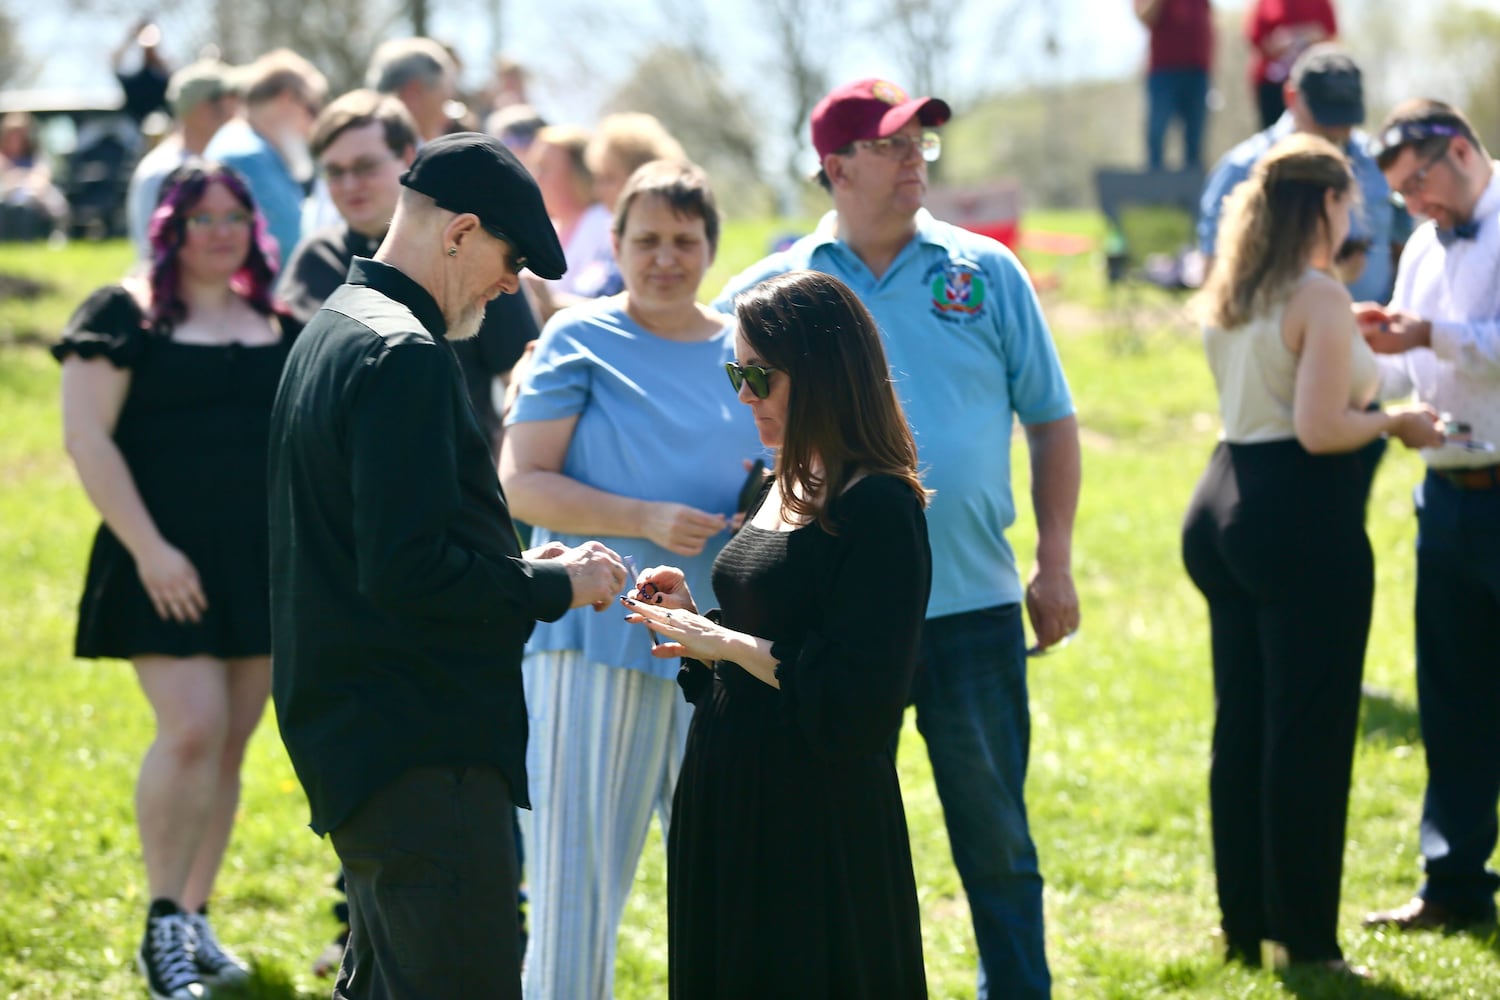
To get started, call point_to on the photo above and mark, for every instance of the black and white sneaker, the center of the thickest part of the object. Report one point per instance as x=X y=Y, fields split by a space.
x=216 y=964
x=166 y=955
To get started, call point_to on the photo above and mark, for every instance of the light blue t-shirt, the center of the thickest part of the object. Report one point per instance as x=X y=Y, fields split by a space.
x=968 y=349
x=1376 y=218
x=657 y=420
x=277 y=193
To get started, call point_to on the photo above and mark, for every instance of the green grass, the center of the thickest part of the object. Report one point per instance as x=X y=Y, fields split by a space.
x=62 y=275
x=1120 y=749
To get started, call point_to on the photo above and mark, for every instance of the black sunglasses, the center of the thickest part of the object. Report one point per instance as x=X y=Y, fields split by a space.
x=758 y=378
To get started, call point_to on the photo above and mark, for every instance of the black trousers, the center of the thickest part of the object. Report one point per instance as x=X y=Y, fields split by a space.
x=1274 y=538
x=430 y=868
x=1458 y=691
x=1270 y=101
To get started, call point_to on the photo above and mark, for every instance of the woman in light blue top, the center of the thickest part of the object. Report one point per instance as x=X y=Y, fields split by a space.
x=621 y=431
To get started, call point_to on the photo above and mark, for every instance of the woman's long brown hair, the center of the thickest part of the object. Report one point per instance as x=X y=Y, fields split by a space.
x=1271 y=222
x=842 y=411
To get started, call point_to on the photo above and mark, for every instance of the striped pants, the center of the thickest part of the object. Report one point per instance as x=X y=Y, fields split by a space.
x=605 y=751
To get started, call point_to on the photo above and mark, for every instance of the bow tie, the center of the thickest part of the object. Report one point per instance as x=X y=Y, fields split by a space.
x=1463 y=231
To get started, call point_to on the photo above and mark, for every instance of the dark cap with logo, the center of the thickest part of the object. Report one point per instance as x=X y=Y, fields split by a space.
x=470 y=172
x=869 y=109
x=1330 y=84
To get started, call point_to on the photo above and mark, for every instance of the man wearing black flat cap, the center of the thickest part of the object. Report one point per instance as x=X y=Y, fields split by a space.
x=400 y=597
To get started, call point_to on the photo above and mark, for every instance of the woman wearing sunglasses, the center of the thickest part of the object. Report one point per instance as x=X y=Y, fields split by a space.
x=789 y=871
x=621 y=431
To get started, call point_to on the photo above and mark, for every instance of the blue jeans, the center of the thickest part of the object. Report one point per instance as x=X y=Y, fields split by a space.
x=1176 y=93
x=972 y=709
x=1458 y=690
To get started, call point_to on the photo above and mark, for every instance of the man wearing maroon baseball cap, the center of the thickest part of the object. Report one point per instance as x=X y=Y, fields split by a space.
x=870 y=109
x=969 y=352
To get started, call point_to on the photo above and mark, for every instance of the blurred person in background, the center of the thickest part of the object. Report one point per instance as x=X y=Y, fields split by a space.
x=167 y=383
x=1324 y=97
x=281 y=94
x=620 y=431
x=621 y=145
x=418 y=72
x=362 y=143
x=516 y=125
x=508 y=85
x=422 y=74
x=26 y=178
x=1278 y=32
x=1177 y=77
x=1274 y=538
x=202 y=98
x=556 y=160
x=141 y=71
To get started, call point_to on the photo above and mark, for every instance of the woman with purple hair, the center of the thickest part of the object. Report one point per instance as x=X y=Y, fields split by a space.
x=167 y=384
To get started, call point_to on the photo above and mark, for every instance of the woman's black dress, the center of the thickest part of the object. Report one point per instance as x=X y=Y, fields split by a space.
x=789 y=869
x=193 y=432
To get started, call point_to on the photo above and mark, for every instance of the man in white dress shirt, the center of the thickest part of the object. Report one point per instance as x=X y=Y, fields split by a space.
x=1441 y=338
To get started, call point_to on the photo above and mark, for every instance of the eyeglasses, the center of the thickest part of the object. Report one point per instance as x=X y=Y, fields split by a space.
x=1412 y=187
x=207 y=220
x=755 y=376
x=359 y=170
x=899 y=147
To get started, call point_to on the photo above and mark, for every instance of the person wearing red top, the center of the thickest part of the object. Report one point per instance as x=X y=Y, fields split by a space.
x=1182 y=46
x=1278 y=32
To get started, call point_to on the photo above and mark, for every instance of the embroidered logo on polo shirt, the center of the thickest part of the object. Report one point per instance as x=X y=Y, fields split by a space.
x=959 y=289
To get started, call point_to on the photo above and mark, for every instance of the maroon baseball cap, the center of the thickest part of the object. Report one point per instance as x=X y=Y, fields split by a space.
x=869 y=109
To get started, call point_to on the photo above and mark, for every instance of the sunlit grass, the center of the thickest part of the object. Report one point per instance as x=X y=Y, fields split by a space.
x=1121 y=723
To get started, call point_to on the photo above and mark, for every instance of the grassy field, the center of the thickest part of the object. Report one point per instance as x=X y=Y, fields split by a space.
x=1118 y=781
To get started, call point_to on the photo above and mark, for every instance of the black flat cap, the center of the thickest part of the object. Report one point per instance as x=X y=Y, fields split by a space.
x=474 y=173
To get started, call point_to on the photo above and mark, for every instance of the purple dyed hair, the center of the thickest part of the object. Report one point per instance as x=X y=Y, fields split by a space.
x=181 y=191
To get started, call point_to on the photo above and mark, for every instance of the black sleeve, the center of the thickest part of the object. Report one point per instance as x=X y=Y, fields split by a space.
x=847 y=683
x=508 y=327
x=405 y=485
x=109 y=324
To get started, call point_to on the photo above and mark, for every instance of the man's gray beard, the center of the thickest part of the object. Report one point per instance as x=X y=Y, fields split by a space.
x=467 y=323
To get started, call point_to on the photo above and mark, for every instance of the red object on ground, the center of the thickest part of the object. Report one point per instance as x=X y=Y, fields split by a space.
x=1007 y=231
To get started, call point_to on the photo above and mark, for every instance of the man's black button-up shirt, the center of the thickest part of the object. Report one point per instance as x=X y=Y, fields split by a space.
x=399 y=600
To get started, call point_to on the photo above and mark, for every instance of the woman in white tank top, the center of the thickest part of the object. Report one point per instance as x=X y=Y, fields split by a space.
x=1274 y=538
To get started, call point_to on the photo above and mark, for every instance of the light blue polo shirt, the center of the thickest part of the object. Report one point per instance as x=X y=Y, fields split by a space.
x=1376 y=219
x=657 y=420
x=968 y=349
